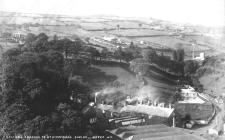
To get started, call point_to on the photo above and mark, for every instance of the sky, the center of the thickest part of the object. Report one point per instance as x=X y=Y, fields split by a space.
x=203 y=12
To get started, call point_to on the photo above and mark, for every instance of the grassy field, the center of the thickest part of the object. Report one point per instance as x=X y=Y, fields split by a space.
x=96 y=26
x=138 y=32
x=127 y=24
x=7 y=45
x=171 y=42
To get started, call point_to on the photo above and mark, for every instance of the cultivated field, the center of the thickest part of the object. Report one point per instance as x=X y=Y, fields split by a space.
x=131 y=29
x=137 y=32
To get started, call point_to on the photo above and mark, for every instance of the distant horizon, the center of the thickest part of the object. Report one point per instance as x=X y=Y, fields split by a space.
x=209 y=13
x=77 y=16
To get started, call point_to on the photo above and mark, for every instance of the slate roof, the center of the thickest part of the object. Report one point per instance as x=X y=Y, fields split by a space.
x=152 y=132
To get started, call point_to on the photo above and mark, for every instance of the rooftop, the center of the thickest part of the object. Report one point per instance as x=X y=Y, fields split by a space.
x=145 y=109
x=195 y=110
x=153 y=132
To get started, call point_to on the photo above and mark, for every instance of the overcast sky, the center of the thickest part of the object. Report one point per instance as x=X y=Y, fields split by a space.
x=205 y=12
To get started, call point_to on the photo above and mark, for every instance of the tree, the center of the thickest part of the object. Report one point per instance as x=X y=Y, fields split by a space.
x=76 y=67
x=10 y=54
x=94 y=52
x=119 y=53
x=80 y=93
x=87 y=39
x=180 y=55
x=12 y=122
x=104 y=53
x=40 y=44
x=140 y=25
x=180 y=52
x=139 y=66
x=118 y=27
x=128 y=56
x=149 y=55
x=30 y=38
x=35 y=85
x=67 y=46
x=175 y=55
x=32 y=75
x=70 y=118
x=78 y=42
x=190 y=67
x=42 y=37
x=132 y=45
x=56 y=45
x=55 y=38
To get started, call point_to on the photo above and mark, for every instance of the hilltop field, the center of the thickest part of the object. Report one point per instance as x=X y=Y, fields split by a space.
x=126 y=29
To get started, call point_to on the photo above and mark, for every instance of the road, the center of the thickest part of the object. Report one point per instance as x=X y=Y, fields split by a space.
x=216 y=121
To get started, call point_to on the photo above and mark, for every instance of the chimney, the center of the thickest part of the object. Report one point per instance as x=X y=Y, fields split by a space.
x=174 y=124
x=95 y=99
x=124 y=103
x=170 y=105
x=193 y=52
x=162 y=104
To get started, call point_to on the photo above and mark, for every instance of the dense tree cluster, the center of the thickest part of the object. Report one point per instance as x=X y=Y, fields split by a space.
x=190 y=67
x=139 y=66
x=164 y=62
x=127 y=54
x=178 y=55
x=37 y=88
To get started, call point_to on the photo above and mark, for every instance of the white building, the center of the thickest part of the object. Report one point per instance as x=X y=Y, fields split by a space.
x=109 y=38
x=18 y=35
x=190 y=95
x=189 y=92
x=224 y=128
x=213 y=131
x=201 y=57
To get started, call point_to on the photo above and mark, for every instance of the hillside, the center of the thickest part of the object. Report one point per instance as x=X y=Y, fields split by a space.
x=211 y=75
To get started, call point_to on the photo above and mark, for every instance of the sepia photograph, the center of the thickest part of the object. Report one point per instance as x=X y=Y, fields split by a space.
x=112 y=69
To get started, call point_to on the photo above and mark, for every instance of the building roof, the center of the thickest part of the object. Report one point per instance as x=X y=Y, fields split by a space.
x=153 y=132
x=145 y=109
x=195 y=110
x=195 y=100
